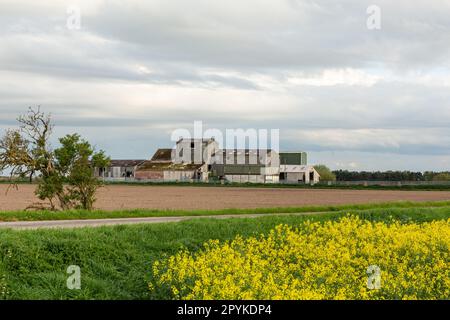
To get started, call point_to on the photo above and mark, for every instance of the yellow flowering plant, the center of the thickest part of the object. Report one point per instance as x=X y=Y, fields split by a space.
x=346 y=259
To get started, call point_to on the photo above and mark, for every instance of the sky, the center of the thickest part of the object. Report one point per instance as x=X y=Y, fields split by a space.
x=356 y=86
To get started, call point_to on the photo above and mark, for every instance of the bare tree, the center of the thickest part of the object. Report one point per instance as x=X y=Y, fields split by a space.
x=65 y=175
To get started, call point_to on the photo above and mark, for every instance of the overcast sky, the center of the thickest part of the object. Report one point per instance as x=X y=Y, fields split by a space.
x=352 y=97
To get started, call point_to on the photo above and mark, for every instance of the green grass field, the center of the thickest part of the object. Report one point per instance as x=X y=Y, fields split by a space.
x=139 y=213
x=116 y=261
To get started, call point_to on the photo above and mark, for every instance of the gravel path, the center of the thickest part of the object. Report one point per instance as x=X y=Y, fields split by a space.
x=121 y=221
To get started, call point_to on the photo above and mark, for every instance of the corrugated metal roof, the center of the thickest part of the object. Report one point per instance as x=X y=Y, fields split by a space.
x=125 y=163
x=222 y=169
x=242 y=156
x=242 y=151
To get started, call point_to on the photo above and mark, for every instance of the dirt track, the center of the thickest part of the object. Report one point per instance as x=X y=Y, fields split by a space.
x=48 y=224
x=169 y=197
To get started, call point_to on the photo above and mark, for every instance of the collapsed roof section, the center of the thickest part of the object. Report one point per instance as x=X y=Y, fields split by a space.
x=163 y=155
x=168 y=166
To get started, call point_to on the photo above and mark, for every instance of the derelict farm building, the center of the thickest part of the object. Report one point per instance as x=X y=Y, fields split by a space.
x=163 y=166
x=203 y=160
x=294 y=168
x=246 y=165
x=119 y=169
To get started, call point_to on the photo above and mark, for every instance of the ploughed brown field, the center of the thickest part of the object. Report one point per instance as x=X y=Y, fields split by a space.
x=172 y=197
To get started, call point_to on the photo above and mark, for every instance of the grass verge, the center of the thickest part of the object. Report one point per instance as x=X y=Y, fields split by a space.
x=404 y=187
x=140 y=213
x=116 y=261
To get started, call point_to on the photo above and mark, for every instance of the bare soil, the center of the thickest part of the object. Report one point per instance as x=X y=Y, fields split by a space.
x=173 y=197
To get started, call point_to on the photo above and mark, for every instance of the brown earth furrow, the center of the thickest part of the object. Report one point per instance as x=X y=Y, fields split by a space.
x=116 y=197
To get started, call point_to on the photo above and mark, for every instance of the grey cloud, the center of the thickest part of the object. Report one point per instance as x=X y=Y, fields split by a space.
x=138 y=69
x=278 y=35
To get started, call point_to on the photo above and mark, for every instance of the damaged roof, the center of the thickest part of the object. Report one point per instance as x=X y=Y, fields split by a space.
x=242 y=151
x=163 y=155
x=125 y=163
x=167 y=166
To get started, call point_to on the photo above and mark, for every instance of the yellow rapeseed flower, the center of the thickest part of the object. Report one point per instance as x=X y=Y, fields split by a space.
x=317 y=261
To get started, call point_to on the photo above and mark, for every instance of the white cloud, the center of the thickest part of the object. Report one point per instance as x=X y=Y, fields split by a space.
x=333 y=77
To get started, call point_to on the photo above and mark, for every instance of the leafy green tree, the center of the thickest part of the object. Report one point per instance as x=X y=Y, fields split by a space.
x=443 y=176
x=75 y=160
x=66 y=175
x=325 y=173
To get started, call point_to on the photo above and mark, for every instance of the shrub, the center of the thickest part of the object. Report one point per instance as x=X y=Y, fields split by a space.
x=442 y=177
x=325 y=173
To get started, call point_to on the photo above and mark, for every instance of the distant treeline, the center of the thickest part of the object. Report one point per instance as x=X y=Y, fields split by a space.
x=345 y=175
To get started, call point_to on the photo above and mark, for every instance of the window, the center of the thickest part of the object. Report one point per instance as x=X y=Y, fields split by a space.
x=192 y=145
